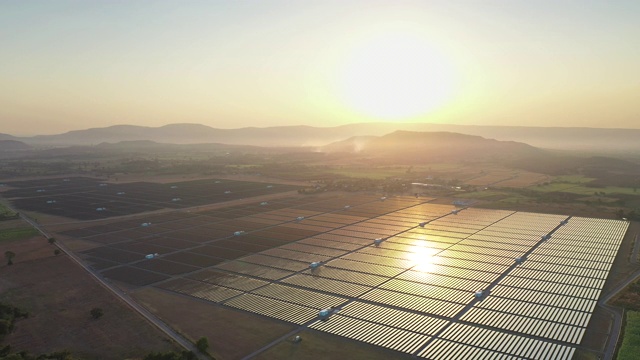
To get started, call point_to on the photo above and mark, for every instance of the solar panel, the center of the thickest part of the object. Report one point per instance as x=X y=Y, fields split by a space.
x=473 y=284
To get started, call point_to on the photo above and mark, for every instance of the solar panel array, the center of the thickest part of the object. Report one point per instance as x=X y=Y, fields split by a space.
x=539 y=275
x=89 y=199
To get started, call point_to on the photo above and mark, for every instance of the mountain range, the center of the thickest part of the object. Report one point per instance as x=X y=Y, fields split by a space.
x=586 y=139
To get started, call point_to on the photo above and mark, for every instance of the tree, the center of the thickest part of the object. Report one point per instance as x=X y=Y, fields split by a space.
x=171 y=355
x=9 y=255
x=56 y=252
x=96 y=313
x=202 y=345
x=52 y=240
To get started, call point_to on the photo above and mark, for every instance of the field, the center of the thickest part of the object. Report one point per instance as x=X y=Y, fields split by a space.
x=5 y=211
x=631 y=342
x=585 y=190
x=58 y=296
x=368 y=172
x=17 y=233
x=630 y=297
x=231 y=333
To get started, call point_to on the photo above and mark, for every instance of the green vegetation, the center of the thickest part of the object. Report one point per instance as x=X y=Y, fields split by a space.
x=203 y=345
x=370 y=173
x=171 y=355
x=96 y=313
x=572 y=179
x=581 y=189
x=631 y=339
x=9 y=255
x=5 y=354
x=8 y=316
x=486 y=194
x=630 y=298
x=17 y=233
x=6 y=213
x=517 y=199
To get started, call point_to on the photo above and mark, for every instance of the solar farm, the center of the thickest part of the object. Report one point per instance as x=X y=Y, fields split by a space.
x=89 y=199
x=403 y=273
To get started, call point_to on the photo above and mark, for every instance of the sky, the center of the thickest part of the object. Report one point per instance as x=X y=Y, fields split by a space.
x=67 y=65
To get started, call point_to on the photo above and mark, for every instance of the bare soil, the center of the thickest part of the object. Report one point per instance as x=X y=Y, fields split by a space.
x=320 y=345
x=58 y=295
x=232 y=334
x=26 y=250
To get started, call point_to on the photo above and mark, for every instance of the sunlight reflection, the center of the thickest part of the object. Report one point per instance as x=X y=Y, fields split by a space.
x=422 y=256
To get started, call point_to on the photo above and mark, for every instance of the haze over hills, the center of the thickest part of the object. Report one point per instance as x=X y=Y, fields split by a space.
x=587 y=139
x=7 y=137
x=13 y=145
x=414 y=147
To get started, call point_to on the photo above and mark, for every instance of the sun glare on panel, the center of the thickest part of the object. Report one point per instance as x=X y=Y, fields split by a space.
x=395 y=76
x=422 y=256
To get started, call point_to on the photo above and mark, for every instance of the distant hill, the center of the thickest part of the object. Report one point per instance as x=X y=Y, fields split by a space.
x=584 y=139
x=195 y=134
x=148 y=147
x=7 y=137
x=410 y=147
x=13 y=145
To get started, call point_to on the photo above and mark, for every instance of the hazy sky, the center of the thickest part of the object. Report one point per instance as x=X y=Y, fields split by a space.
x=76 y=64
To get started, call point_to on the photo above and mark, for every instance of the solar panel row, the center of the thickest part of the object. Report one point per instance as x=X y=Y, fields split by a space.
x=414 y=292
x=461 y=260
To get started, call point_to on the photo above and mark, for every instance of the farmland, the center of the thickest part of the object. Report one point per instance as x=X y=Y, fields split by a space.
x=630 y=348
x=57 y=294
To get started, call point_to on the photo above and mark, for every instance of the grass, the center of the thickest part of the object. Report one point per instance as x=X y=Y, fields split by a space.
x=17 y=233
x=581 y=189
x=441 y=167
x=631 y=339
x=568 y=187
x=5 y=211
x=371 y=173
x=383 y=172
x=481 y=194
x=630 y=297
x=573 y=179
x=516 y=199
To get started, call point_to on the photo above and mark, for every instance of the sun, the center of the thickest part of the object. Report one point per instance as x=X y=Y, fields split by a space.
x=395 y=76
